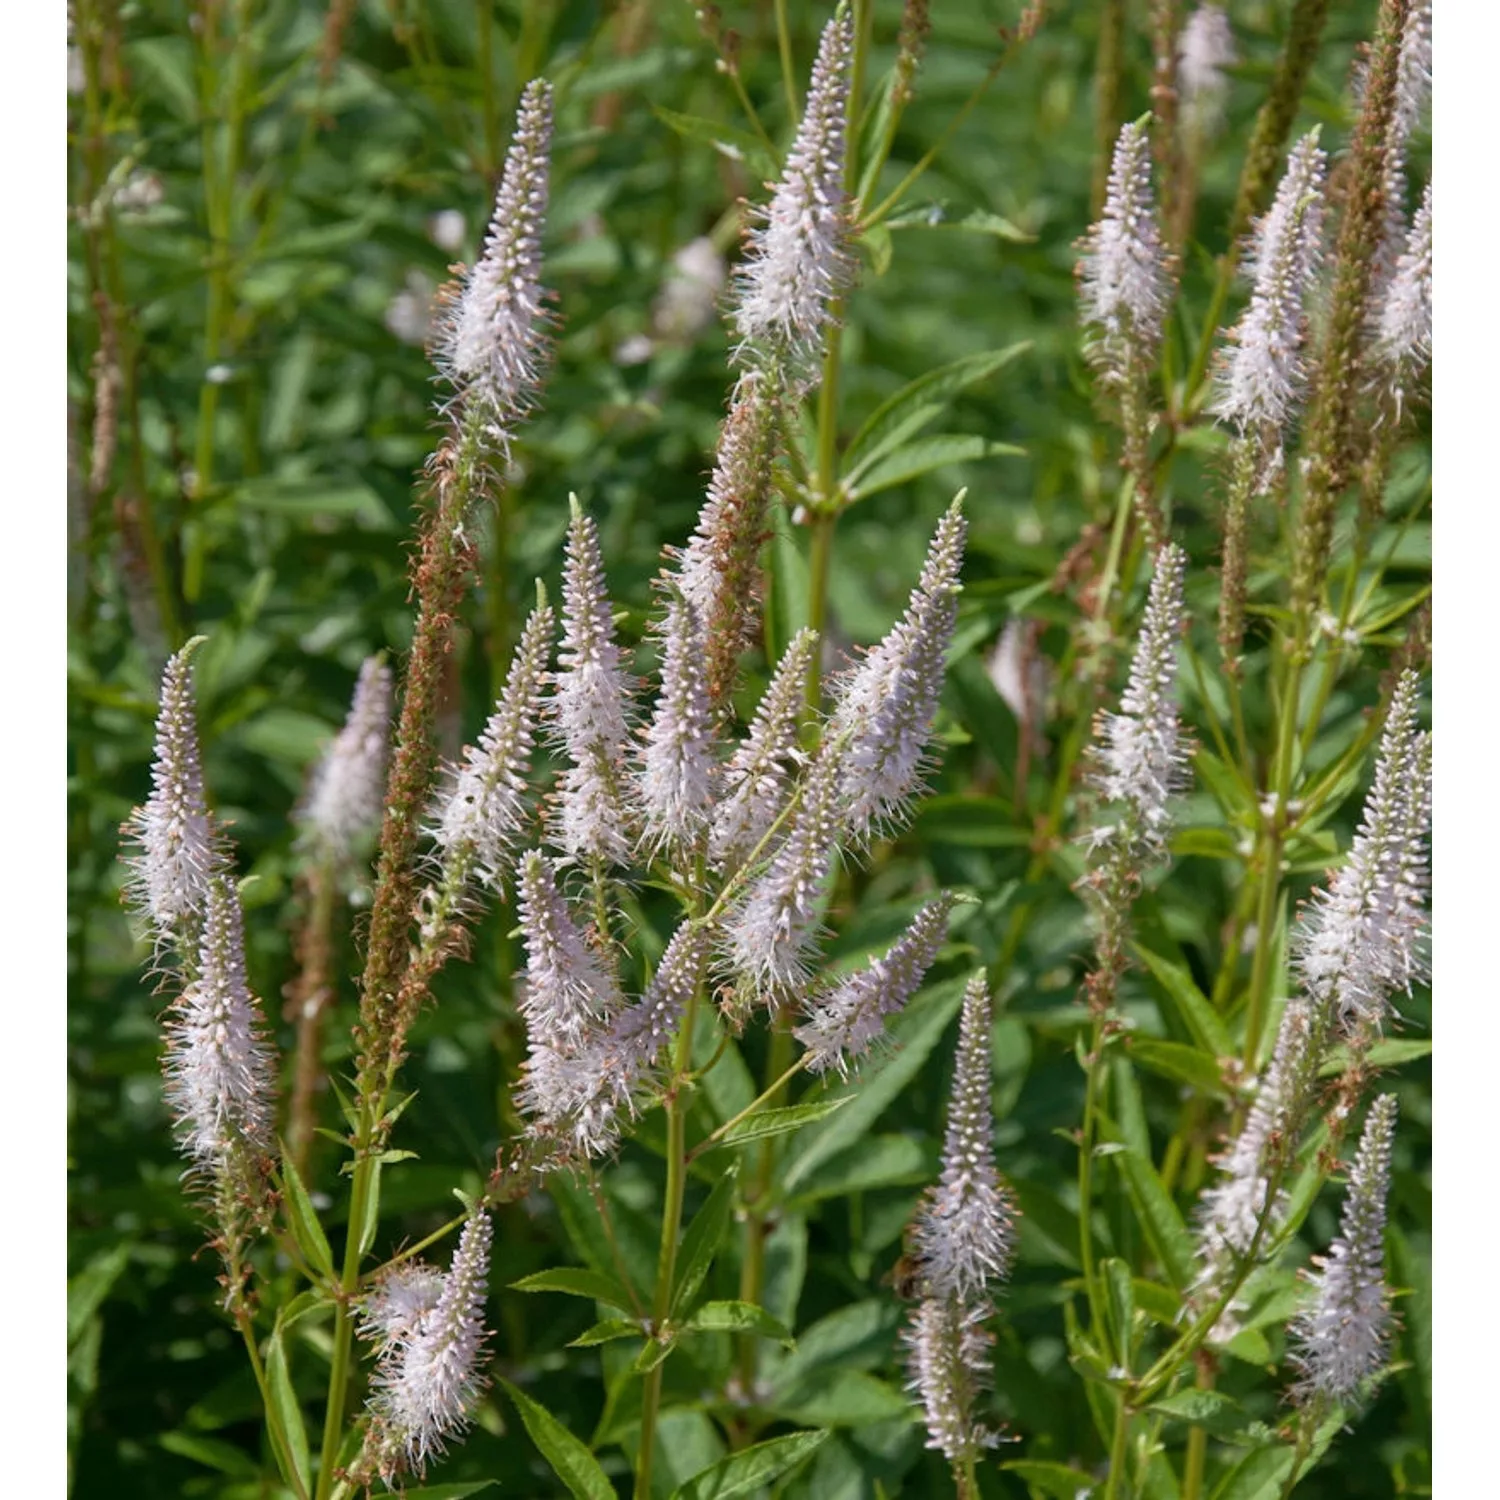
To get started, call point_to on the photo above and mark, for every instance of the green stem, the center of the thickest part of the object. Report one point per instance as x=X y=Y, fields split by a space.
x=764 y=1097
x=1086 y=1173
x=671 y=1227
x=1117 y=1451
x=1196 y=1457
x=788 y=72
x=273 y=1427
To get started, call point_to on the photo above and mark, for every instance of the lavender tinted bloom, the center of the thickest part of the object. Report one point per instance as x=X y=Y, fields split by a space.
x=491 y=344
x=755 y=785
x=1204 y=49
x=769 y=931
x=569 y=988
x=1230 y=1210
x=948 y=1364
x=180 y=856
x=1414 y=70
x=604 y=1080
x=678 y=765
x=591 y=704
x=426 y=1390
x=1140 y=753
x=963 y=1236
x=886 y=707
x=485 y=807
x=1362 y=939
x=220 y=1071
x=396 y=1305
x=342 y=808
x=799 y=262
x=1124 y=283
x=1341 y=1341
x=1403 y=333
x=846 y=1020
x=1262 y=380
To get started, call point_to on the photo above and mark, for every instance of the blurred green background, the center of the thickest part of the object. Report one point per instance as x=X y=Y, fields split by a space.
x=264 y=194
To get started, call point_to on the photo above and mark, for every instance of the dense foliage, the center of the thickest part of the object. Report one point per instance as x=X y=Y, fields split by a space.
x=265 y=195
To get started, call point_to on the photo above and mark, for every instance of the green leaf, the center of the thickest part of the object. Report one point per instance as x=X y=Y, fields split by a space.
x=703 y=1237
x=655 y=1351
x=1202 y=1021
x=571 y=1461
x=878 y=1162
x=1180 y=1062
x=1165 y=1231
x=369 y=1222
x=977 y=221
x=605 y=1332
x=575 y=1281
x=971 y=823
x=728 y=140
x=1388 y=1053
x=1216 y=1413
x=751 y=1468
x=302 y=1218
x=213 y=1453
x=768 y=1122
x=88 y=1289
x=922 y=457
x=1052 y=1479
x=925 y=399
x=289 y=1435
x=738 y=1317
x=841 y=1398
x=913 y=1035
x=1120 y=1308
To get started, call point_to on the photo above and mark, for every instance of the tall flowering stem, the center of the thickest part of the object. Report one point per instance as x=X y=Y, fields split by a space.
x=1125 y=284
x=1340 y=1340
x=490 y=356
x=962 y=1240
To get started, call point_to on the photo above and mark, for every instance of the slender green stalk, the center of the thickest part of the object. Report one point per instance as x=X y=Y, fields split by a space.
x=1117 y=1452
x=273 y=1427
x=1109 y=69
x=1093 y=1081
x=764 y=1098
x=671 y=1229
x=1196 y=1457
x=788 y=70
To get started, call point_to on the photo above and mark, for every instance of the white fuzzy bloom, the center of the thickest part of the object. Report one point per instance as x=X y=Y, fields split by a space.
x=1363 y=939
x=1262 y=379
x=220 y=1070
x=1123 y=279
x=569 y=987
x=1341 y=1341
x=1231 y=1209
x=846 y=1019
x=491 y=343
x=591 y=704
x=1414 y=70
x=886 y=706
x=394 y=1308
x=1205 y=48
x=409 y=313
x=1403 y=329
x=757 y=778
x=678 y=765
x=180 y=853
x=799 y=262
x=963 y=1236
x=446 y=229
x=485 y=807
x=948 y=1364
x=342 y=808
x=775 y=922
x=425 y=1390
x=593 y=1090
x=1140 y=755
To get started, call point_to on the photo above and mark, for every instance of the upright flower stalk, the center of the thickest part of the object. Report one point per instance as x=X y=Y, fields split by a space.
x=799 y=261
x=1341 y=1338
x=1125 y=283
x=962 y=1240
x=1262 y=379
